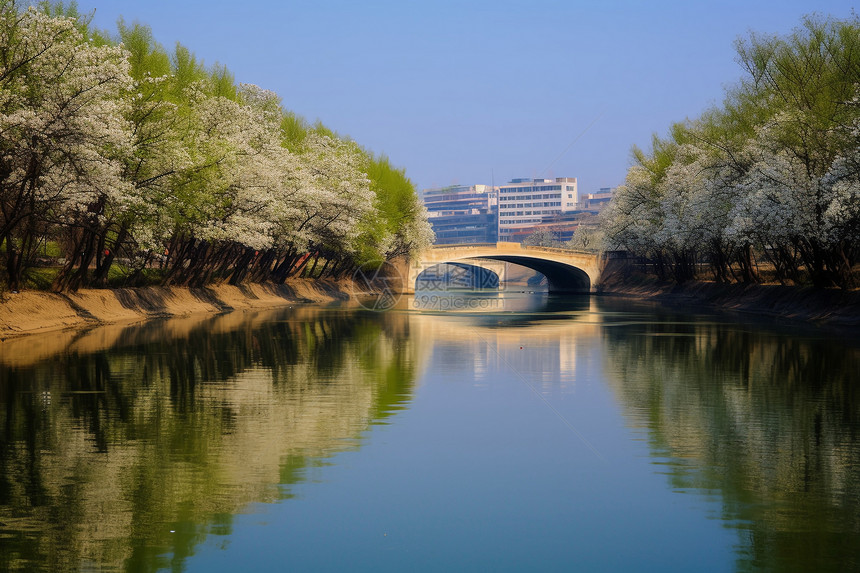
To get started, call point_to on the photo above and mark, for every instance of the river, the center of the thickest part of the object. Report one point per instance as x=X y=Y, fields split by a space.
x=451 y=432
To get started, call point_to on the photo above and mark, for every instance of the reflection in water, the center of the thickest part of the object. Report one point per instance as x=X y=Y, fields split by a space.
x=130 y=447
x=117 y=458
x=497 y=327
x=505 y=307
x=766 y=420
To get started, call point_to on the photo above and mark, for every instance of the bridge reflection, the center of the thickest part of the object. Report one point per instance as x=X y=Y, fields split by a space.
x=472 y=275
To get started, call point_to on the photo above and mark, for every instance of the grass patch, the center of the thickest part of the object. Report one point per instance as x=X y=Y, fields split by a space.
x=39 y=278
x=120 y=276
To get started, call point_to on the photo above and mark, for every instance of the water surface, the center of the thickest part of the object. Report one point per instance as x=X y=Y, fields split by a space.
x=502 y=433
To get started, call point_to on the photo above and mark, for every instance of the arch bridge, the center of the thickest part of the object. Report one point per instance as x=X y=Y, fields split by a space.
x=567 y=271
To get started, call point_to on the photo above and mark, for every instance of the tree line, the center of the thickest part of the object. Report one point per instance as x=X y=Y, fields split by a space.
x=125 y=161
x=768 y=179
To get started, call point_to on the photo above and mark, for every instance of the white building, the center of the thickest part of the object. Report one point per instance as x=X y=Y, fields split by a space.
x=525 y=203
x=596 y=201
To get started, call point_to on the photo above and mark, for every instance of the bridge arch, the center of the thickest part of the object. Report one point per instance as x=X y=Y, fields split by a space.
x=566 y=271
x=560 y=277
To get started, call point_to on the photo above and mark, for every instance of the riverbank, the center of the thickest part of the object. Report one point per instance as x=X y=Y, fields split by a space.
x=37 y=311
x=32 y=312
x=825 y=307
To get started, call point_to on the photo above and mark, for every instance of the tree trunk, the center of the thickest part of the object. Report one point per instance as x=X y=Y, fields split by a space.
x=313 y=268
x=240 y=269
x=78 y=278
x=100 y=276
x=748 y=271
x=13 y=265
x=303 y=260
x=325 y=266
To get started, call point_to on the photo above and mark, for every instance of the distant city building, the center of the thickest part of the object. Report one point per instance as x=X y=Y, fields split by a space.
x=459 y=199
x=564 y=225
x=512 y=212
x=526 y=203
x=561 y=226
x=596 y=201
x=462 y=214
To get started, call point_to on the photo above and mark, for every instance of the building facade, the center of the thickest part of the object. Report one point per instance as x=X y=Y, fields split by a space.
x=526 y=203
x=511 y=212
x=596 y=201
x=462 y=214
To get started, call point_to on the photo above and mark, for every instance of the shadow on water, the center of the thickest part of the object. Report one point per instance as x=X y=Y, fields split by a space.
x=129 y=446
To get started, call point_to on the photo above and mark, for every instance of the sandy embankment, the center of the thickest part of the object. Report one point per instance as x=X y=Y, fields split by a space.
x=34 y=311
x=830 y=307
x=823 y=307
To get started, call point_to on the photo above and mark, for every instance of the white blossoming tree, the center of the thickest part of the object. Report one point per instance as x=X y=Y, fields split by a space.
x=63 y=135
x=129 y=157
x=634 y=219
x=771 y=176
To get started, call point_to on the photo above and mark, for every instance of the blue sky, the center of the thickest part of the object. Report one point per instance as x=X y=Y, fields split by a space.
x=476 y=91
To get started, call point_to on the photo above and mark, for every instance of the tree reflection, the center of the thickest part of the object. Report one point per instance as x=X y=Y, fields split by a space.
x=767 y=419
x=131 y=456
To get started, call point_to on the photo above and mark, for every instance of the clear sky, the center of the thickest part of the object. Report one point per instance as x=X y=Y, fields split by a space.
x=480 y=91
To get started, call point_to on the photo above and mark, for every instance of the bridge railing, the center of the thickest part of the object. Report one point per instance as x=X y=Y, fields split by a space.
x=463 y=245
x=511 y=245
x=561 y=250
